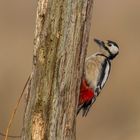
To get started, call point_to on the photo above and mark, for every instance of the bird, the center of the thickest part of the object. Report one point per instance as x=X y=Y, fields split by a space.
x=96 y=72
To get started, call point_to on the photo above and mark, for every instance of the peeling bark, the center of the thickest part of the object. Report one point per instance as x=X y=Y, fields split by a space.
x=61 y=38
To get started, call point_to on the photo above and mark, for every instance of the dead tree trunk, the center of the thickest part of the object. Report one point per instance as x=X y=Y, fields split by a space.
x=61 y=38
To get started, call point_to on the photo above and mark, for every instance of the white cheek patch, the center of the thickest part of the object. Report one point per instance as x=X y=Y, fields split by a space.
x=113 y=49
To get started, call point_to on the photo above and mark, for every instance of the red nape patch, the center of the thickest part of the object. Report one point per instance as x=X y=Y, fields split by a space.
x=86 y=93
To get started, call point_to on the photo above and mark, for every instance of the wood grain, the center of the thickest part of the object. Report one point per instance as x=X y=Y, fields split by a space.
x=61 y=38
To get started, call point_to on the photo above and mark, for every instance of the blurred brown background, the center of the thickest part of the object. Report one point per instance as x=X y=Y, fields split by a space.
x=116 y=113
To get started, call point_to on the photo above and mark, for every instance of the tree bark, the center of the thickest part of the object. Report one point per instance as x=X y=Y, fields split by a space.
x=61 y=38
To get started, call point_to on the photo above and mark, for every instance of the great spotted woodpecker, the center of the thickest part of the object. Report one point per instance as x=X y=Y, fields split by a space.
x=96 y=72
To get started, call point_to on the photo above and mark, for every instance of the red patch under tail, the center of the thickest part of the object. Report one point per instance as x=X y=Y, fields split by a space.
x=86 y=93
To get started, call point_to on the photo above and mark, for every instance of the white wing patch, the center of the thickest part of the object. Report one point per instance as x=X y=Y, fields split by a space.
x=106 y=74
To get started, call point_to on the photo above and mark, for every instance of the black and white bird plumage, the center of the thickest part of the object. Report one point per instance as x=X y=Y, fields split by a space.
x=97 y=70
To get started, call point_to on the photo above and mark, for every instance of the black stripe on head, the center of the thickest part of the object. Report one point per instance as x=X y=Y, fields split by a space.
x=112 y=56
x=106 y=48
x=112 y=42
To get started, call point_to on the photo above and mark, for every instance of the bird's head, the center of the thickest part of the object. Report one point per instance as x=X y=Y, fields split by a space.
x=108 y=48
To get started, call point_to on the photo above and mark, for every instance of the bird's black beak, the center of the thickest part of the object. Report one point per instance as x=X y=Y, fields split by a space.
x=99 y=42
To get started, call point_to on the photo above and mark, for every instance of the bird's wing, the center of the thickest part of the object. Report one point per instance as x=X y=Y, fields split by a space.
x=96 y=72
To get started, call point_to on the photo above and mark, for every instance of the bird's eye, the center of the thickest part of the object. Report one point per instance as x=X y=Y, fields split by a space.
x=109 y=44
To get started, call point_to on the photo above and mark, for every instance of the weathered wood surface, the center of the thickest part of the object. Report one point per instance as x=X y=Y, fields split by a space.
x=61 y=38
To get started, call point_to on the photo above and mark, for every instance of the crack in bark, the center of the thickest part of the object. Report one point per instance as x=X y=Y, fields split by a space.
x=59 y=51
